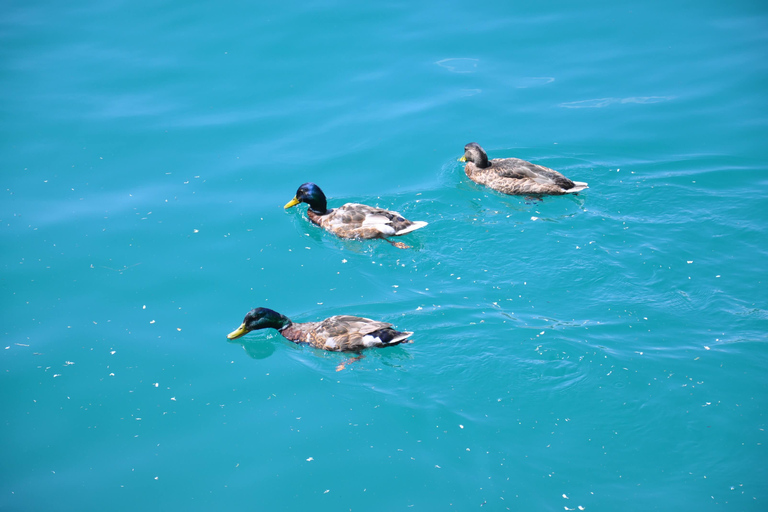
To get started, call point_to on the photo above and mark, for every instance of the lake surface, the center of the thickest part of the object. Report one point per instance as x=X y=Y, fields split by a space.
x=604 y=351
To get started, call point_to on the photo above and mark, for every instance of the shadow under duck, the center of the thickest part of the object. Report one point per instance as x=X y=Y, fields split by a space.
x=342 y=333
x=353 y=220
x=514 y=176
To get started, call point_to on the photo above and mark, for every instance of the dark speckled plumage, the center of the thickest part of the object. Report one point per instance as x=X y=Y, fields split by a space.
x=352 y=220
x=514 y=176
x=342 y=333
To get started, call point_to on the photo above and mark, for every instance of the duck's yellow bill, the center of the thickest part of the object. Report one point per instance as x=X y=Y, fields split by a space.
x=237 y=332
x=293 y=202
x=463 y=159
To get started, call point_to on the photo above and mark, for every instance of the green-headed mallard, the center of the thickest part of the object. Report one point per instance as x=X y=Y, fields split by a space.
x=352 y=220
x=341 y=333
x=514 y=176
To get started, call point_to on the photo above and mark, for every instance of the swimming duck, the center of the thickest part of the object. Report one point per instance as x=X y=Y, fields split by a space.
x=353 y=220
x=514 y=176
x=341 y=333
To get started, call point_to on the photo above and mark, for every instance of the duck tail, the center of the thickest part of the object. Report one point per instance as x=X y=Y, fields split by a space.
x=578 y=186
x=413 y=227
x=402 y=337
x=386 y=337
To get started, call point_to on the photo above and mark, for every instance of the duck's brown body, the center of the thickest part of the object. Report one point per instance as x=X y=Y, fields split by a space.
x=514 y=176
x=354 y=220
x=345 y=333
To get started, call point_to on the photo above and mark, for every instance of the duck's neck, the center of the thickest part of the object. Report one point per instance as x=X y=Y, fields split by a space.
x=319 y=211
x=318 y=205
x=293 y=333
x=285 y=323
x=483 y=163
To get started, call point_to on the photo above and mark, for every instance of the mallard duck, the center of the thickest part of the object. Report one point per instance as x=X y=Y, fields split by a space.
x=341 y=333
x=514 y=176
x=352 y=220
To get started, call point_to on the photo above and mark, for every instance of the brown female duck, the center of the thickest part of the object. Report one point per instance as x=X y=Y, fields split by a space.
x=514 y=176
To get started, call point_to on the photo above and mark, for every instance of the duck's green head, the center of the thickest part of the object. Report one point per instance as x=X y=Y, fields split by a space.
x=475 y=154
x=260 y=318
x=312 y=195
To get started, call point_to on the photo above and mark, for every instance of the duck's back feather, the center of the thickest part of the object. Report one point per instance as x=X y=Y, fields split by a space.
x=345 y=333
x=354 y=220
x=515 y=176
x=521 y=169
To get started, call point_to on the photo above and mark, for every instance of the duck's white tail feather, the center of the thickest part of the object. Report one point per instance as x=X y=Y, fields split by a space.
x=413 y=227
x=399 y=339
x=578 y=186
x=373 y=340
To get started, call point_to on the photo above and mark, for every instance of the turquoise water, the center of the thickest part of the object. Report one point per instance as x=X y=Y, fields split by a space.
x=605 y=351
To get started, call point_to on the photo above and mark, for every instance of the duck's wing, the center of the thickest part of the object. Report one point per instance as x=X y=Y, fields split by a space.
x=515 y=168
x=354 y=220
x=351 y=215
x=353 y=333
